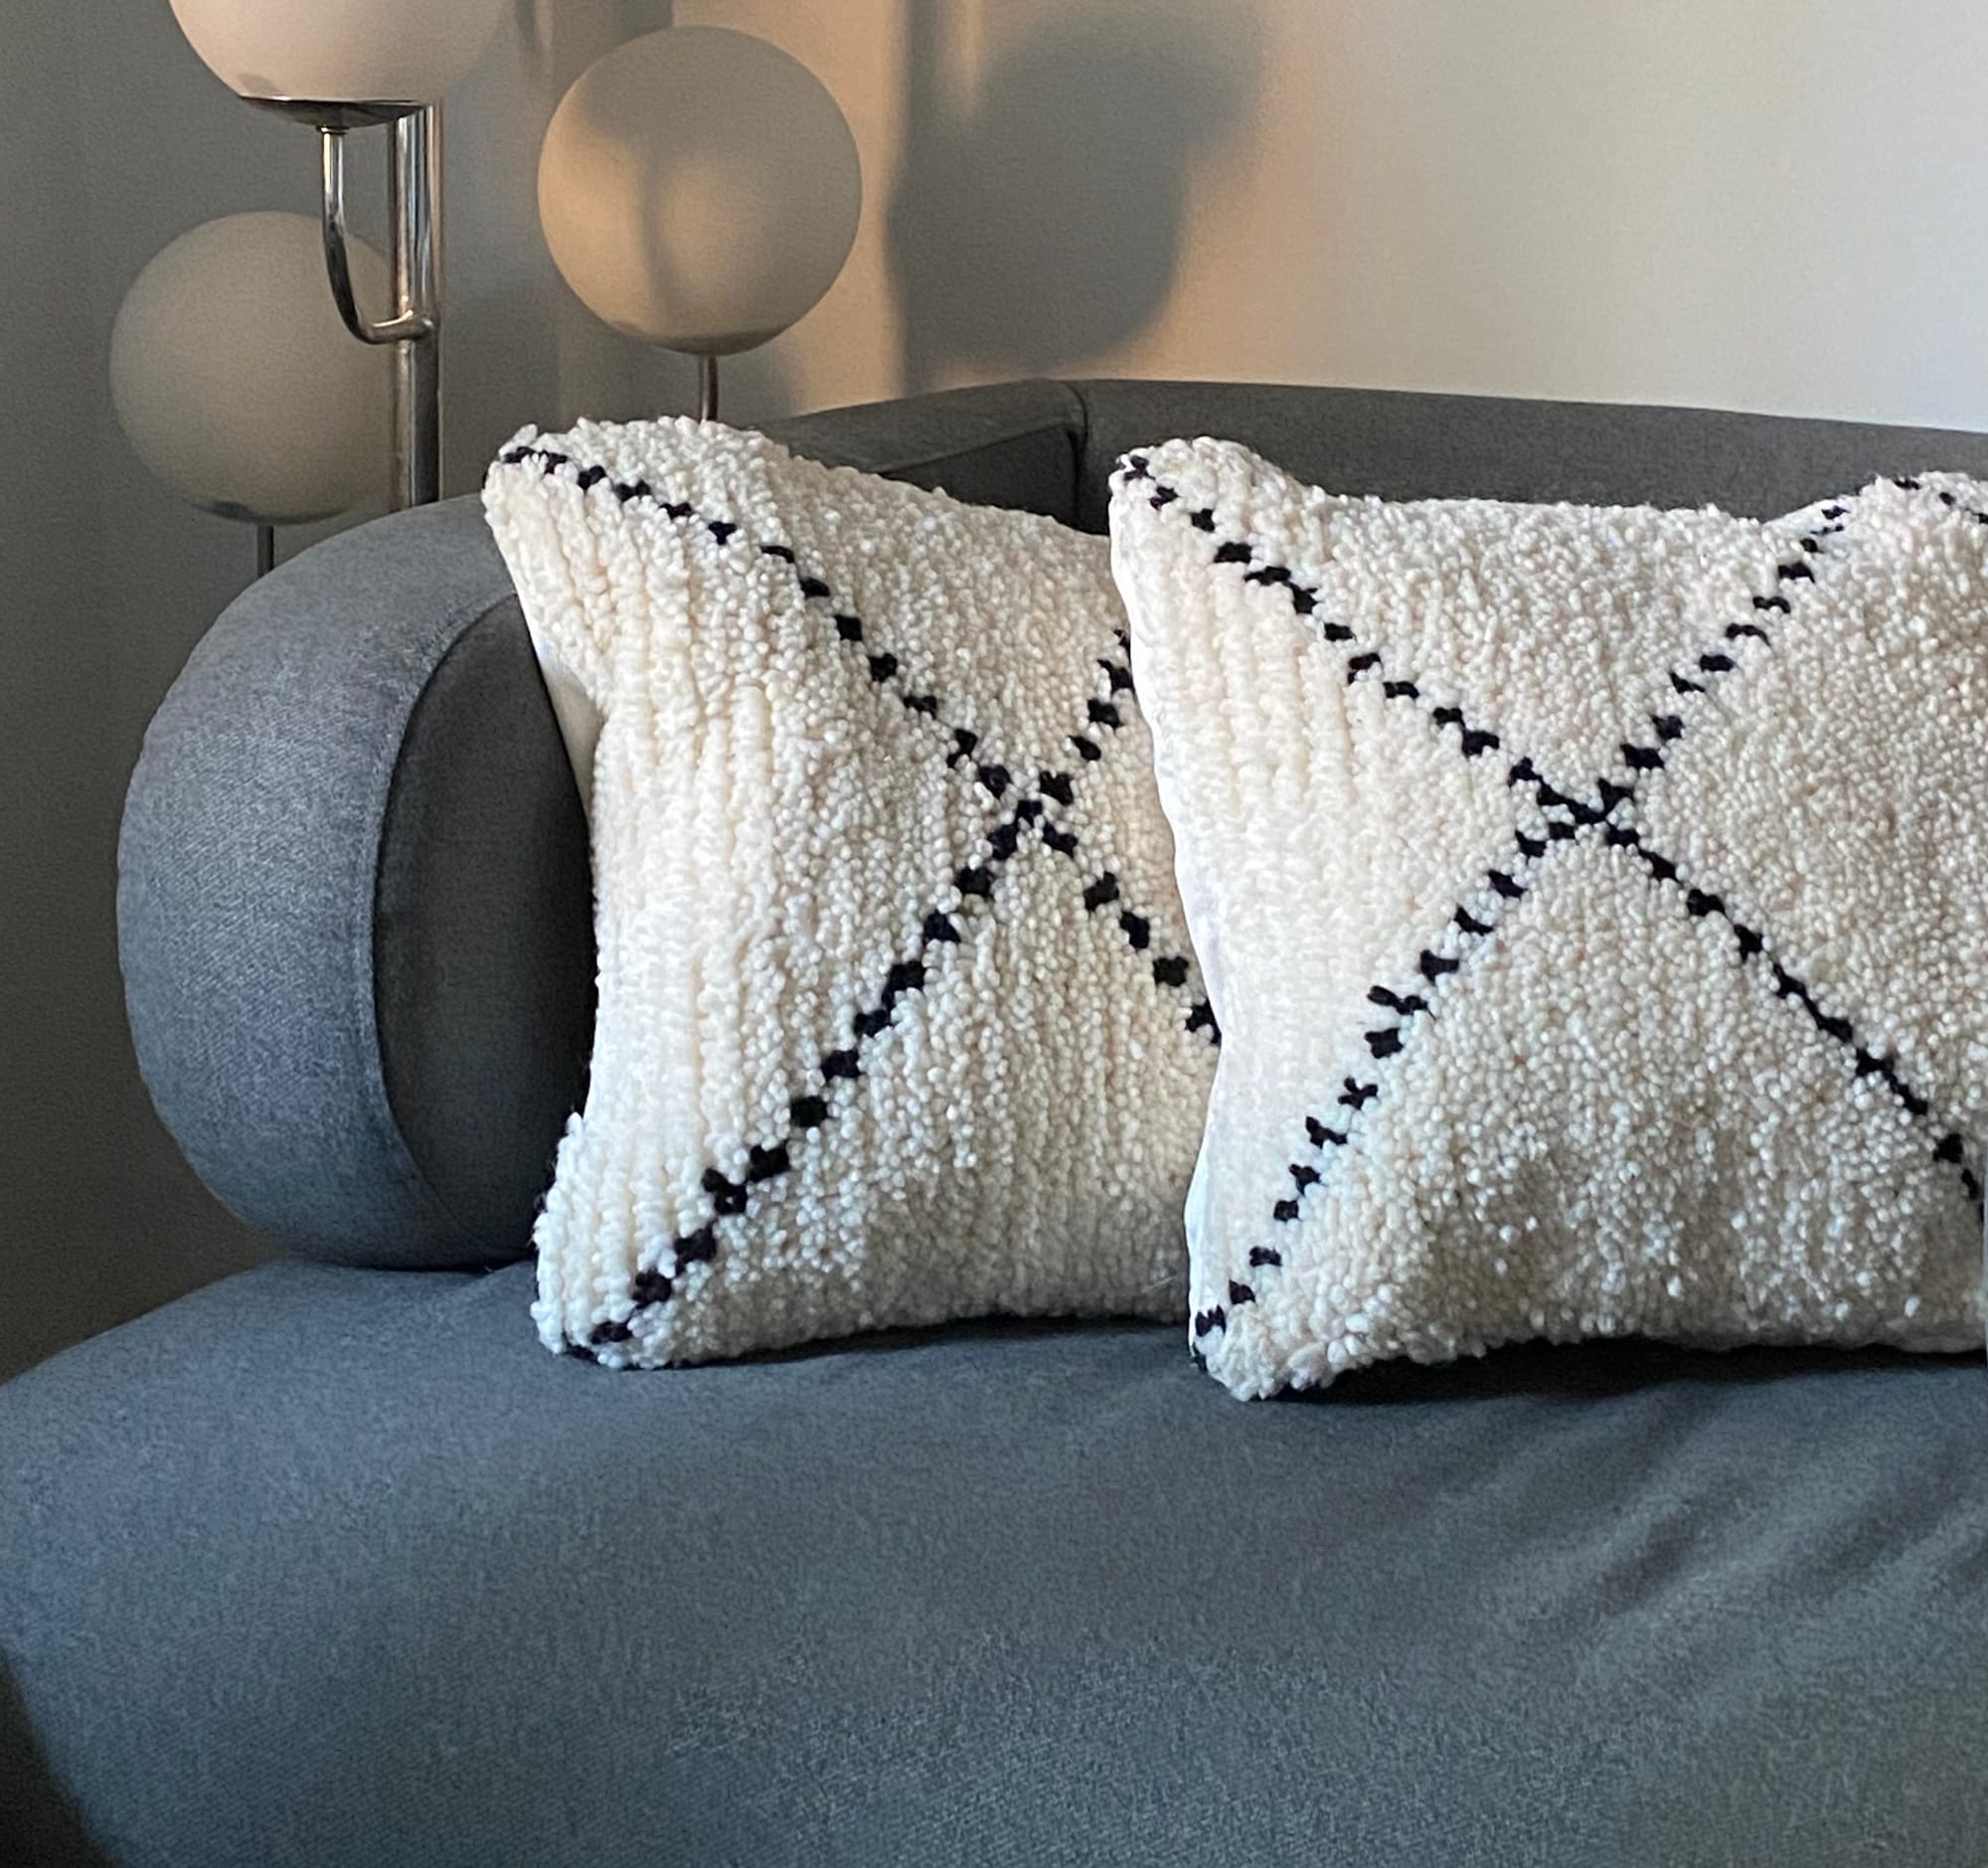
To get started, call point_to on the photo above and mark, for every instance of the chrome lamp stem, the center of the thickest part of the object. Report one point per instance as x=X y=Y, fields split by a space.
x=412 y=324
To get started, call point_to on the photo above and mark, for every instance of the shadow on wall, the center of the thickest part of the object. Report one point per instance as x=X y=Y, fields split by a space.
x=522 y=347
x=1039 y=222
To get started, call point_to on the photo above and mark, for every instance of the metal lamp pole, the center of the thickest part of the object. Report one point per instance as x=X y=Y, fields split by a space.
x=412 y=324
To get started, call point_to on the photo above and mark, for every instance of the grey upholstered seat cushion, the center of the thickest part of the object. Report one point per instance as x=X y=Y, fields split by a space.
x=336 y=1567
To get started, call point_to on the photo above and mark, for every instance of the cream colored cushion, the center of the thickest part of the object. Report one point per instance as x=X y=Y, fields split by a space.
x=1595 y=904
x=897 y=1020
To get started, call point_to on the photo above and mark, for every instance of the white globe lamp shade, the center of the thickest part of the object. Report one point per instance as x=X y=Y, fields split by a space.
x=340 y=51
x=700 y=189
x=237 y=383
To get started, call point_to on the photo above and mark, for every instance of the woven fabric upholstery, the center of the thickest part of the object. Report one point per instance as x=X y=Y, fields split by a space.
x=1414 y=446
x=339 y=1566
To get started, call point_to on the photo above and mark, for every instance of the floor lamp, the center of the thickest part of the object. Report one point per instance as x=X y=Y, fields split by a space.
x=338 y=66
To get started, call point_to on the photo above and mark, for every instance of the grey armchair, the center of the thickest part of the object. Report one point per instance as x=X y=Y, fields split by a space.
x=331 y=1563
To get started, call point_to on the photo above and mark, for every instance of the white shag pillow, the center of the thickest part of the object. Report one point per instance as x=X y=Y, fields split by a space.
x=898 y=1018
x=1595 y=904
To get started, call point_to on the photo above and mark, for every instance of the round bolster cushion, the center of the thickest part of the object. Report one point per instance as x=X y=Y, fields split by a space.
x=355 y=904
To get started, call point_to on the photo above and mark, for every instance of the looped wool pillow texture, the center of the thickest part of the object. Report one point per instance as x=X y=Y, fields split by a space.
x=898 y=1018
x=1596 y=903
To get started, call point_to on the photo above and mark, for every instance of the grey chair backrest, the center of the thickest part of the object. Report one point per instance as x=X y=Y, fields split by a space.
x=355 y=904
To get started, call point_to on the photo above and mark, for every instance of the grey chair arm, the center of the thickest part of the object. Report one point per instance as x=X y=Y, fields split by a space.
x=354 y=904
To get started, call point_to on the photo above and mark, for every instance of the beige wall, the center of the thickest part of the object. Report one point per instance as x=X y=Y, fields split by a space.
x=1767 y=204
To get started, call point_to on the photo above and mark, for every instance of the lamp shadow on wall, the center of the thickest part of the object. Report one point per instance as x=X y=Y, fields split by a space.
x=1040 y=221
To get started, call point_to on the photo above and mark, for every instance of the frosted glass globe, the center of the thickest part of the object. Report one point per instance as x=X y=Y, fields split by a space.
x=340 y=51
x=700 y=189
x=237 y=383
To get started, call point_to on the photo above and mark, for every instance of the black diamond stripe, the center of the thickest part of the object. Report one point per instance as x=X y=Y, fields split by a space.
x=1103 y=889
x=1389 y=1036
x=944 y=927
x=966 y=745
x=1751 y=947
x=1638 y=758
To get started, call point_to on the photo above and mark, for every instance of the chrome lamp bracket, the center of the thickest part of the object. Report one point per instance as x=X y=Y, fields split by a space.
x=412 y=323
